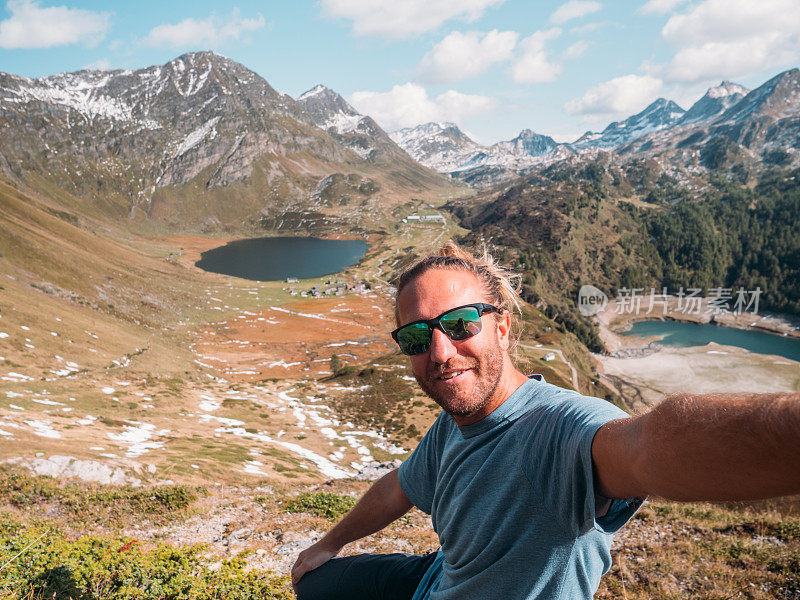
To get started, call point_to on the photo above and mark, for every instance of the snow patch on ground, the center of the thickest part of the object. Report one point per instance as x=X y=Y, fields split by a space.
x=43 y=429
x=137 y=437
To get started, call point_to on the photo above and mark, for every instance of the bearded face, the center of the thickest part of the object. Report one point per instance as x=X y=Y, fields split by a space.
x=461 y=376
x=464 y=384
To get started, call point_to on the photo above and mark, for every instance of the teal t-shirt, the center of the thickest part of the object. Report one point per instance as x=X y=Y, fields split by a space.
x=512 y=498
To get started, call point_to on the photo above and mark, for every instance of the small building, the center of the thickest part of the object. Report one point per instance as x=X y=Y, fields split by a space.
x=549 y=356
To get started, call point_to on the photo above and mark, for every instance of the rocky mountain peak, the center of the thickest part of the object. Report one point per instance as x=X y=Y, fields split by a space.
x=528 y=143
x=777 y=98
x=331 y=112
x=715 y=102
x=725 y=89
x=660 y=109
x=660 y=114
x=329 y=109
x=444 y=147
x=440 y=145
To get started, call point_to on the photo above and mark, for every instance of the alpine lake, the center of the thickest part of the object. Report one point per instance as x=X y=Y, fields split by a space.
x=676 y=333
x=275 y=258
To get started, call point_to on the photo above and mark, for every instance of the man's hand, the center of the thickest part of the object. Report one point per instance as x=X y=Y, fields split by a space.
x=312 y=557
x=383 y=503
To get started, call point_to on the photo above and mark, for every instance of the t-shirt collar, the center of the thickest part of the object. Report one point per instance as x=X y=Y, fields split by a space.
x=510 y=410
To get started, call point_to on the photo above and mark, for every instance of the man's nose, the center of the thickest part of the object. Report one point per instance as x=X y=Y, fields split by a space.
x=442 y=347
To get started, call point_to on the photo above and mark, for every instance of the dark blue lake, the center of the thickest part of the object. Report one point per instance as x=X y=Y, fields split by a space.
x=675 y=333
x=271 y=258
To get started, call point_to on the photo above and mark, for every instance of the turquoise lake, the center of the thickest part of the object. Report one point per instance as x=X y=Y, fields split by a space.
x=674 y=333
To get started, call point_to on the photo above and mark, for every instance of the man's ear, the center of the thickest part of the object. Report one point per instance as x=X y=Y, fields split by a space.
x=504 y=330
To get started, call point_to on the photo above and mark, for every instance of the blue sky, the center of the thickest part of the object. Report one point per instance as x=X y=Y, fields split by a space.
x=492 y=66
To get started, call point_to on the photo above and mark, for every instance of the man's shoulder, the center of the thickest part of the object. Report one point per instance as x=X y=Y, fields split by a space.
x=548 y=400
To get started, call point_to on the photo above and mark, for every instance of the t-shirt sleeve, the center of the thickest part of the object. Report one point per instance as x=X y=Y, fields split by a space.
x=417 y=474
x=558 y=461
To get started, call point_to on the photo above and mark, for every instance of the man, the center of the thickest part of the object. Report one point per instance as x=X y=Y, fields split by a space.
x=526 y=482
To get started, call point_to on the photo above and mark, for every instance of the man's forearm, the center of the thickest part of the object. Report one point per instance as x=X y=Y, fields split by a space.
x=383 y=503
x=710 y=447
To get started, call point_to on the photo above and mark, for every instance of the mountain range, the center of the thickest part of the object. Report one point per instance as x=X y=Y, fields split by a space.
x=728 y=123
x=202 y=142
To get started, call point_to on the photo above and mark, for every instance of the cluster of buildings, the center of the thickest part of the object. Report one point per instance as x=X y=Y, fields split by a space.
x=423 y=219
x=337 y=287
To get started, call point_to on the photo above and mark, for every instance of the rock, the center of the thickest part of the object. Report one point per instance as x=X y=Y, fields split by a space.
x=376 y=470
x=68 y=466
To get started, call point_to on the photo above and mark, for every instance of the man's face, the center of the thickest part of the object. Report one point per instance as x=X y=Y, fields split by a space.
x=460 y=376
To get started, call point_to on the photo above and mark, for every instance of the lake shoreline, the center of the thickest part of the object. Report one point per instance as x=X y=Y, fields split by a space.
x=612 y=321
x=644 y=371
x=188 y=248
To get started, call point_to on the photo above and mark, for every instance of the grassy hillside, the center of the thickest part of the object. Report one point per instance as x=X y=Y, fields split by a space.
x=615 y=227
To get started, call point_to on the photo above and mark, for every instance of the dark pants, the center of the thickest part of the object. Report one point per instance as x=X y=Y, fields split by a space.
x=366 y=577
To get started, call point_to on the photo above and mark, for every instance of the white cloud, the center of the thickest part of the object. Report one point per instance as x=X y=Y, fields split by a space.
x=533 y=64
x=576 y=50
x=33 y=26
x=409 y=105
x=403 y=18
x=99 y=65
x=659 y=7
x=619 y=96
x=211 y=31
x=726 y=39
x=462 y=55
x=574 y=9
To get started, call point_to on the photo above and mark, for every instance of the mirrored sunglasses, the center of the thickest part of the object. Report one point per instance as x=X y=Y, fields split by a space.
x=458 y=324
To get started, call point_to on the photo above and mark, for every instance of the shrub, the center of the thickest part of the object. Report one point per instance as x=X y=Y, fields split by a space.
x=321 y=504
x=87 y=502
x=120 y=568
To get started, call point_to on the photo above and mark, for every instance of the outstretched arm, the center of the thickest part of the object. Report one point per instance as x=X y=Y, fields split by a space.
x=383 y=503
x=703 y=447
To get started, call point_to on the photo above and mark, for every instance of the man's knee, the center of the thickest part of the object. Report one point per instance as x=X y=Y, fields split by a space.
x=322 y=583
x=365 y=577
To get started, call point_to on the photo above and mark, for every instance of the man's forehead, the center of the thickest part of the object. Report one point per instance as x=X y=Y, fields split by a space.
x=436 y=291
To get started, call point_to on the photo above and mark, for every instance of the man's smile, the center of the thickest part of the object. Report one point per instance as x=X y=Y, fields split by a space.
x=452 y=375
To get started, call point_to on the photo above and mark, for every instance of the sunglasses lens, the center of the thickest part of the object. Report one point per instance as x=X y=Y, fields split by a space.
x=414 y=338
x=461 y=323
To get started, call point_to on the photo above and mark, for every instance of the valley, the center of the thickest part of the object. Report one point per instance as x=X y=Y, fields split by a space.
x=147 y=405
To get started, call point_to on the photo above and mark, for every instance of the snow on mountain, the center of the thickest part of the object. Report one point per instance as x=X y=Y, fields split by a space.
x=440 y=146
x=661 y=114
x=334 y=114
x=196 y=136
x=153 y=127
x=329 y=110
x=715 y=102
x=776 y=99
x=765 y=121
x=82 y=94
x=525 y=147
x=444 y=147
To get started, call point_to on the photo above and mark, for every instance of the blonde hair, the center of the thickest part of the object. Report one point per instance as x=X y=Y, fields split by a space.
x=501 y=285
